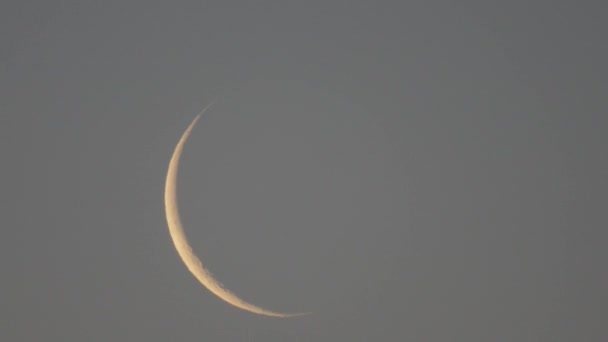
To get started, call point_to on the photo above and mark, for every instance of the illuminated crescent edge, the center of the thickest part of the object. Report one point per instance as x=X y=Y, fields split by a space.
x=176 y=230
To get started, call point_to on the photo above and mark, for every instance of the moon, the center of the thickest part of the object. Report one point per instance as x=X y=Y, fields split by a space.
x=176 y=230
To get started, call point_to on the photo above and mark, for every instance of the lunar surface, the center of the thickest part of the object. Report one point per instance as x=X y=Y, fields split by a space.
x=193 y=263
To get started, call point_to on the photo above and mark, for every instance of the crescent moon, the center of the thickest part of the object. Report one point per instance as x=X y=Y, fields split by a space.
x=176 y=230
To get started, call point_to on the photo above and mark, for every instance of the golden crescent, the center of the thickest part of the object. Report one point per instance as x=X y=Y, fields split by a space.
x=176 y=230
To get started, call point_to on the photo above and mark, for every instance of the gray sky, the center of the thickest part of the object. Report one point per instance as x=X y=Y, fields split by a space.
x=420 y=171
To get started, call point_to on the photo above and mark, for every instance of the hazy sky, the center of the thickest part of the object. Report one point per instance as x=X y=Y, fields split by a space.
x=407 y=171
